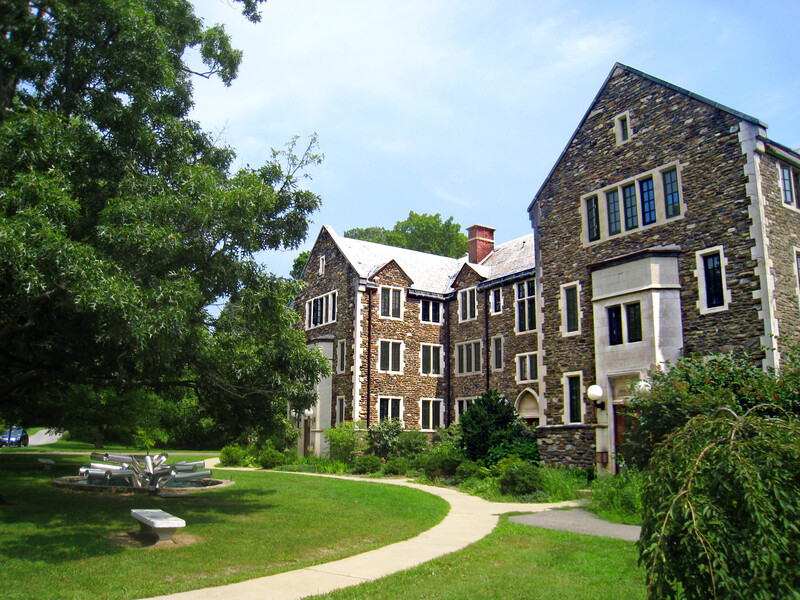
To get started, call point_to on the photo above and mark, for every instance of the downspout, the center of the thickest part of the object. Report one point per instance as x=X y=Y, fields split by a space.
x=369 y=352
x=486 y=362
x=447 y=363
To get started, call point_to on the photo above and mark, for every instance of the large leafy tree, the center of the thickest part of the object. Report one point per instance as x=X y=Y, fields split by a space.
x=120 y=221
x=425 y=233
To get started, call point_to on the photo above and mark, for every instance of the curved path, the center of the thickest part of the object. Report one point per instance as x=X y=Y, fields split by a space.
x=469 y=520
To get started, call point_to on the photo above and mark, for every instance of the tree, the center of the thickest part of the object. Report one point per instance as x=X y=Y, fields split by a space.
x=120 y=222
x=299 y=265
x=721 y=517
x=424 y=233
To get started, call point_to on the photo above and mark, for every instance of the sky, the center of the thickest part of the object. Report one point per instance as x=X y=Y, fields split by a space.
x=462 y=107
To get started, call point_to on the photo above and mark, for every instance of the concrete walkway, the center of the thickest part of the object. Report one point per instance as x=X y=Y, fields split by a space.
x=470 y=519
x=579 y=521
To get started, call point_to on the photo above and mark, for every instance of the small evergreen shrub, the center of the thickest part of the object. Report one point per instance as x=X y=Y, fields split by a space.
x=232 y=456
x=269 y=458
x=520 y=479
x=411 y=443
x=397 y=465
x=367 y=463
x=469 y=469
x=442 y=461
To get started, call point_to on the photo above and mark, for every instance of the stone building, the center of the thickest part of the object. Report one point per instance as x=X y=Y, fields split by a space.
x=670 y=224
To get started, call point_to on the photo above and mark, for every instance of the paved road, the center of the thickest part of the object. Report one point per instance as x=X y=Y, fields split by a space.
x=45 y=436
x=579 y=521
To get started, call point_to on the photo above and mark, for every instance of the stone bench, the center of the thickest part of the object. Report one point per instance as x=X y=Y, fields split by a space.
x=155 y=522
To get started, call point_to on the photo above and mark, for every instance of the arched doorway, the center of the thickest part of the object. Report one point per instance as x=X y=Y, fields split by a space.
x=528 y=408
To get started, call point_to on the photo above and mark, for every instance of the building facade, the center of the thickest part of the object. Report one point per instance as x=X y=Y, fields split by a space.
x=669 y=225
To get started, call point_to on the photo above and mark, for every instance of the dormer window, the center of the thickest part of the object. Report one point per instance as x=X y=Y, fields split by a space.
x=622 y=127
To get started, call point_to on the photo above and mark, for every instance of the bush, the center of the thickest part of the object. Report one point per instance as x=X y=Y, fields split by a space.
x=562 y=483
x=397 y=465
x=269 y=458
x=618 y=497
x=367 y=463
x=345 y=441
x=232 y=456
x=411 y=443
x=720 y=509
x=442 y=461
x=521 y=478
x=383 y=437
x=469 y=469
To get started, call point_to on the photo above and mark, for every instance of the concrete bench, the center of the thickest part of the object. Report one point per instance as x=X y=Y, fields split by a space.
x=46 y=463
x=154 y=522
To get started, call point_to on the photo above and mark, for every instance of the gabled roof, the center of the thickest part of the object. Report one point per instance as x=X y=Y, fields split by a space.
x=430 y=272
x=680 y=90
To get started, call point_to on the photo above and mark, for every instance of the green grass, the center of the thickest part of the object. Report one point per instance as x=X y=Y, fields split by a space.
x=514 y=562
x=56 y=543
x=74 y=446
x=618 y=498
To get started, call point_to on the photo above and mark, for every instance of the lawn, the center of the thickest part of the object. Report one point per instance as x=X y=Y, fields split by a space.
x=517 y=562
x=60 y=544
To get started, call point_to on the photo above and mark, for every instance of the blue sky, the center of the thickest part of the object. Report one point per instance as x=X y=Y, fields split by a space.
x=461 y=107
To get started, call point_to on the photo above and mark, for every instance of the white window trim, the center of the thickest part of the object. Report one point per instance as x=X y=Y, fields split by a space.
x=441 y=412
x=700 y=277
x=402 y=300
x=441 y=360
x=475 y=363
x=341 y=356
x=492 y=354
x=516 y=366
x=796 y=264
x=565 y=415
x=492 y=307
x=793 y=170
x=657 y=175
x=468 y=399
x=465 y=294
x=402 y=356
x=563 y=308
x=340 y=401
x=441 y=311
x=327 y=317
x=321 y=265
x=402 y=411
x=517 y=300
x=618 y=119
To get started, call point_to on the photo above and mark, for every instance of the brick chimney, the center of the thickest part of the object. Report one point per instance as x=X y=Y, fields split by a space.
x=481 y=242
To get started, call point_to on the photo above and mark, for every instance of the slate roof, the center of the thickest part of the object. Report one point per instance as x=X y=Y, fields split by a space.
x=430 y=272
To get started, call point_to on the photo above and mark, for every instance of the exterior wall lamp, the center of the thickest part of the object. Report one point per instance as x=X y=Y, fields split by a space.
x=595 y=394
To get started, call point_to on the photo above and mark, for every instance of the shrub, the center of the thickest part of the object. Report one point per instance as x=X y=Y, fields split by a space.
x=411 y=443
x=442 y=460
x=269 y=458
x=367 y=463
x=232 y=456
x=469 y=469
x=562 y=483
x=397 y=465
x=345 y=441
x=383 y=437
x=720 y=509
x=619 y=497
x=521 y=478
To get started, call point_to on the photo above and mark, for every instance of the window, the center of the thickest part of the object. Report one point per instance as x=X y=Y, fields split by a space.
x=526 y=306
x=633 y=319
x=339 y=409
x=390 y=360
x=496 y=301
x=468 y=358
x=622 y=128
x=431 y=359
x=629 y=204
x=391 y=301
x=648 y=201
x=462 y=405
x=322 y=265
x=797 y=269
x=592 y=219
x=574 y=401
x=341 y=356
x=431 y=413
x=612 y=207
x=321 y=310
x=430 y=311
x=790 y=185
x=629 y=329
x=467 y=305
x=570 y=311
x=527 y=367
x=390 y=408
x=497 y=353
x=712 y=291
x=672 y=196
